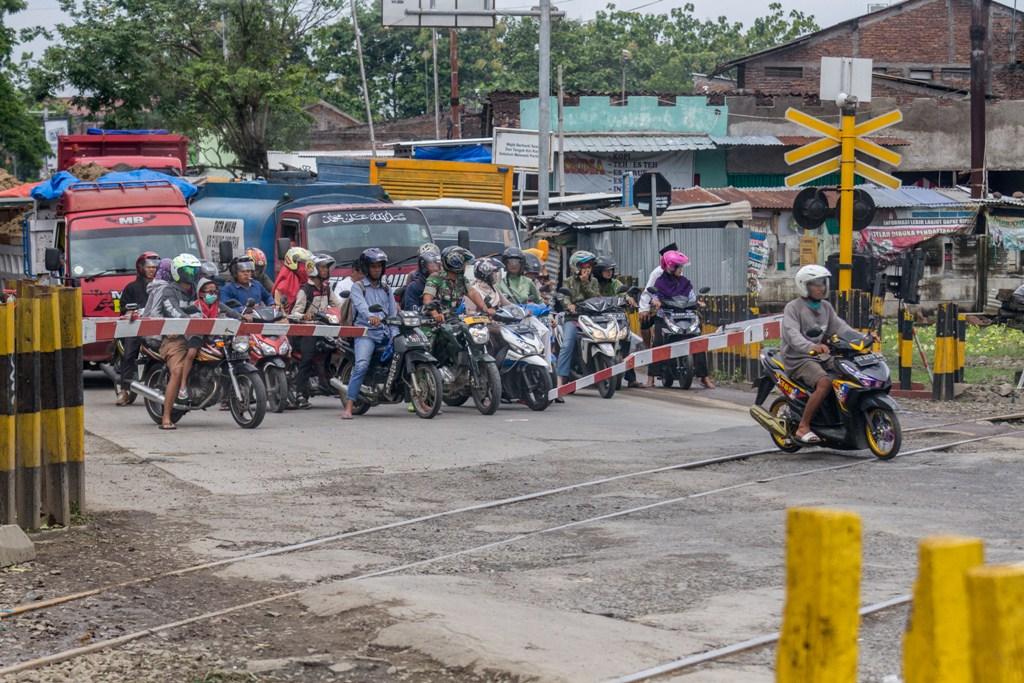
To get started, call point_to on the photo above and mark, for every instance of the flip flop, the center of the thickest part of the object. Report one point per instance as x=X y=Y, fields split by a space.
x=168 y=428
x=808 y=439
x=346 y=417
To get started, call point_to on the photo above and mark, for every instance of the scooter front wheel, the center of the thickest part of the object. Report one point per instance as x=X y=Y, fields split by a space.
x=883 y=433
x=780 y=408
x=537 y=384
x=427 y=400
x=276 y=381
x=488 y=395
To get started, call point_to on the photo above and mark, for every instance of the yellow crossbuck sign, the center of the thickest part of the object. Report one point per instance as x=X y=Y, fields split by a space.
x=833 y=139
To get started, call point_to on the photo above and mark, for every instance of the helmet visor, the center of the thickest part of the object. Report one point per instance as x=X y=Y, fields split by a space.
x=243 y=266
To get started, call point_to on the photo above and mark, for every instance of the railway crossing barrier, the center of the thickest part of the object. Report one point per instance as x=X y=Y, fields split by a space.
x=42 y=429
x=966 y=621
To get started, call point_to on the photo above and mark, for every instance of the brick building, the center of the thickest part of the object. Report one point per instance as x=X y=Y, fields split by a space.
x=919 y=47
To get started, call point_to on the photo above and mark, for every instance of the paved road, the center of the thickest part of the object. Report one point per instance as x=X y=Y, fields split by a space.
x=583 y=604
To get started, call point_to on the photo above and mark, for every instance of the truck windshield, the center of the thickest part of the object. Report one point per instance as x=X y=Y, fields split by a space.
x=345 y=233
x=112 y=250
x=490 y=232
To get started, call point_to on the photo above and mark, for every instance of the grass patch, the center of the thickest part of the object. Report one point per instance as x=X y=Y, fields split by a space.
x=994 y=353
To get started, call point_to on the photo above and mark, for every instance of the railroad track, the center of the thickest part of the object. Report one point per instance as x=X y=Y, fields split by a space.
x=405 y=566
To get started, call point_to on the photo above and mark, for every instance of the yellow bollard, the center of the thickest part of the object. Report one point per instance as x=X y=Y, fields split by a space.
x=29 y=436
x=74 y=392
x=935 y=645
x=819 y=626
x=56 y=508
x=8 y=394
x=996 y=598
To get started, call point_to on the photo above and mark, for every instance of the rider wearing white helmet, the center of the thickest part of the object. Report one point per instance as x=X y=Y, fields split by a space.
x=807 y=360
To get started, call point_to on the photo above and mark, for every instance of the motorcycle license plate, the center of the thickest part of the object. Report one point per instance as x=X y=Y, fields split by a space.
x=475 y=319
x=867 y=359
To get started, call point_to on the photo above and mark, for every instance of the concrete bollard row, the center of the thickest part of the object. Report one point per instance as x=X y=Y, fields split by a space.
x=966 y=623
x=42 y=427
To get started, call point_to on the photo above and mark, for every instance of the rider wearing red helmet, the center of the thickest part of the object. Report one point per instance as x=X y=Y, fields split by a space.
x=259 y=259
x=135 y=293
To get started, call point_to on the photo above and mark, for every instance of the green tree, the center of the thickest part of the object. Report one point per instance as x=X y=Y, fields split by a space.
x=22 y=142
x=236 y=69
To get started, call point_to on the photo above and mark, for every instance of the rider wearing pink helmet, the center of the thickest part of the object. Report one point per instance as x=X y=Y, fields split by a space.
x=673 y=260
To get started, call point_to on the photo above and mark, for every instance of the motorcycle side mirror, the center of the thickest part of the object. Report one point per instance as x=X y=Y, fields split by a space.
x=623 y=289
x=346 y=294
x=703 y=290
x=652 y=290
x=376 y=308
x=814 y=332
x=250 y=302
x=283 y=245
x=234 y=303
x=400 y=293
x=53 y=260
x=463 y=239
x=564 y=291
x=225 y=251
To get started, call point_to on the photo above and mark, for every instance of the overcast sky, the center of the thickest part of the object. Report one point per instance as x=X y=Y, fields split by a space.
x=47 y=12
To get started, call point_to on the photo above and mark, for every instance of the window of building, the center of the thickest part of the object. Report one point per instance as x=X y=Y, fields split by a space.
x=784 y=72
x=921 y=74
x=956 y=72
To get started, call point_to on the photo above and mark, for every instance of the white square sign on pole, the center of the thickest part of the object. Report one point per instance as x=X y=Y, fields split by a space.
x=393 y=13
x=848 y=75
x=518 y=148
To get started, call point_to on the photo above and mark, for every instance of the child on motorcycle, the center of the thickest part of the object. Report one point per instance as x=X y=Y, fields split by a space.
x=364 y=294
x=673 y=284
x=313 y=297
x=581 y=286
x=807 y=361
x=292 y=277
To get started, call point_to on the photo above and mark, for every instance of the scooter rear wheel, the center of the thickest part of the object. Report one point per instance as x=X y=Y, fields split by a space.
x=780 y=408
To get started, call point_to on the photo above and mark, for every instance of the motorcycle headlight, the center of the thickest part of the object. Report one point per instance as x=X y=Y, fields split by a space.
x=479 y=334
x=265 y=348
x=286 y=348
x=521 y=345
x=240 y=344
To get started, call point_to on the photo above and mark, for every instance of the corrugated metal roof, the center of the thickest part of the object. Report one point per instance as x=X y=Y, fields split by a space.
x=746 y=140
x=907 y=197
x=626 y=142
x=778 y=198
x=695 y=195
x=682 y=215
x=883 y=140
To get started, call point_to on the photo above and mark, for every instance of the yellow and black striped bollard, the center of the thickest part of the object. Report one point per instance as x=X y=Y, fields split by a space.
x=8 y=395
x=29 y=436
x=56 y=508
x=906 y=349
x=74 y=392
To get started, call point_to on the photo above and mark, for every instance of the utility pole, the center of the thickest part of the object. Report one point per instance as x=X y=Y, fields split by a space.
x=561 y=134
x=362 y=75
x=224 y=34
x=453 y=54
x=544 y=108
x=979 y=50
x=437 y=87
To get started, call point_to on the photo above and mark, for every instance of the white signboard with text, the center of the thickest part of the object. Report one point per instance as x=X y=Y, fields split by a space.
x=586 y=173
x=393 y=13
x=519 y=148
x=216 y=230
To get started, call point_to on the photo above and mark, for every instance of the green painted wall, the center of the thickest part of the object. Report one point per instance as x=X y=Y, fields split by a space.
x=641 y=114
x=710 y=165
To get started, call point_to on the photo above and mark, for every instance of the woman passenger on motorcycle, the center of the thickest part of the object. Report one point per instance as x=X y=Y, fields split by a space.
x=517 y=286
x=315 y=296
x=365 y=293
x=582 y=286
x=673 y=284
x=429 y=263
x=448 y=288
x=292 y=277
x=486 y=271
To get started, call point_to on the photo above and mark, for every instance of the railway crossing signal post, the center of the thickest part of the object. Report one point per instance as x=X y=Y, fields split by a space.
x=847 y=81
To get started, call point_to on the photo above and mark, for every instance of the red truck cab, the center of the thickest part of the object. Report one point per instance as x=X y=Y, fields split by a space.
x=345 y=230
x=162 y=152
x=101 y=230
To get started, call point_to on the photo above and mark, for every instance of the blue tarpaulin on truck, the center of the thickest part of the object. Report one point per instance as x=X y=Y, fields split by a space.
x=472 y=153
x=59 y=183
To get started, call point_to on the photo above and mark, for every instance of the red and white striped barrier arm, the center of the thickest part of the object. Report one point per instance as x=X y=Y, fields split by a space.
x=105 y=329
x=736 y=334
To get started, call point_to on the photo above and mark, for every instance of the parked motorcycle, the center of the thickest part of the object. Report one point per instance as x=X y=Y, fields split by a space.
x=404 y=371
x=677 y=319
x=221 y=369
x=520 y=356
x=270 y=353
x=601 y=321
x=857 y=414
x=467 y=369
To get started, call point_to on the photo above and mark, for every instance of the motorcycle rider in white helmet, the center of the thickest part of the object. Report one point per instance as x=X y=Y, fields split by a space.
x=806 y=360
